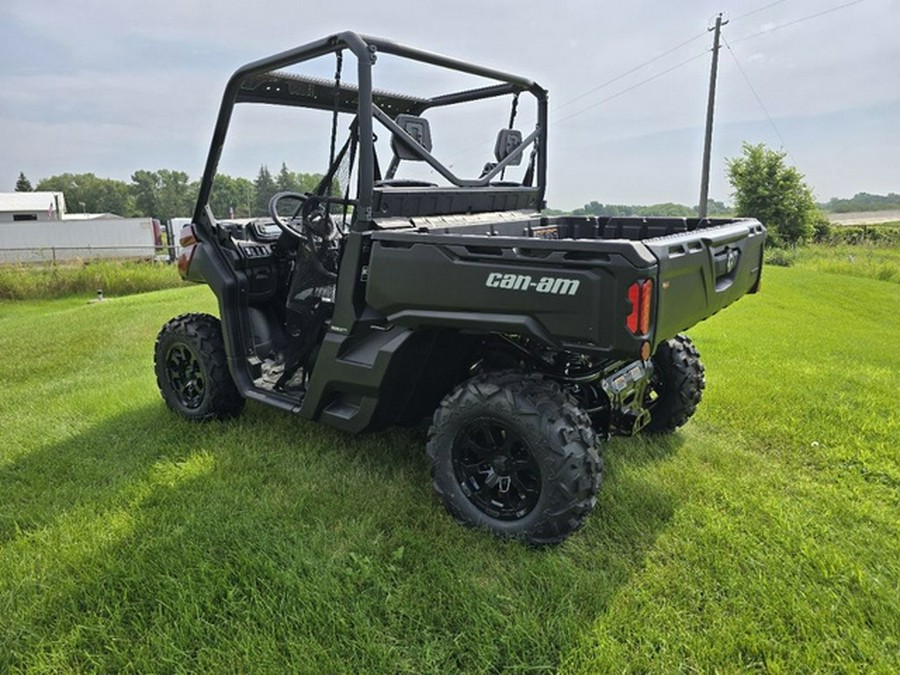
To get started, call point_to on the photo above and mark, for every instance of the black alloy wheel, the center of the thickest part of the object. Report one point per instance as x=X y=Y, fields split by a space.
x=496 y=469
x=185 y=373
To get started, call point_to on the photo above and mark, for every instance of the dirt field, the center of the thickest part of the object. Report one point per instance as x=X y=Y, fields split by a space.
x=864 y=217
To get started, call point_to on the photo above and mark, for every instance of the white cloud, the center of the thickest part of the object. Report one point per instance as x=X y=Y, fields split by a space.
x=110 y=87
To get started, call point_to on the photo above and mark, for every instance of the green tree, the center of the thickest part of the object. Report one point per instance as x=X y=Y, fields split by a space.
x=164 y=194
x=232 y=193
x=264 y=187
x=177 y=195
x=863 y=201
x=767 y=189
x=288 y=181
x=667 y=209
x=145 y=190
x=596 y=208
x=310 y=181
x=23 y=184
x=717 y=208
x=98 y=195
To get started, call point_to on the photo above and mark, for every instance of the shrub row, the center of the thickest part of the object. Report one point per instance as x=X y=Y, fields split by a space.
x=886 y=234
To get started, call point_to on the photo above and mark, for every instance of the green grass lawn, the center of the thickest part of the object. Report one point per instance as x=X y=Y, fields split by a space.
x=764 y=536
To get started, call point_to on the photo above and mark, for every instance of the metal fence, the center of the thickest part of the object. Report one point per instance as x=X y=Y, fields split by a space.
x=62 y=254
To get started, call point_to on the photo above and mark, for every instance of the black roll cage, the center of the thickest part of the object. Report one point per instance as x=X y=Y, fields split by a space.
x=262 y=82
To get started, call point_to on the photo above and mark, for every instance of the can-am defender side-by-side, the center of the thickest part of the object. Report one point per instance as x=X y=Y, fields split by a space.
x=376 y=299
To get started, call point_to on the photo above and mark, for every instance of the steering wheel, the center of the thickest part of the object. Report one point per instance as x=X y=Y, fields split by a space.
x=309 y=219
x=311 y=223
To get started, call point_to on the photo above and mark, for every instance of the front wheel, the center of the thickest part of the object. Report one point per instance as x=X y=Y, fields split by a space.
x=512 y=454
x=676 y=386
x=192 y=369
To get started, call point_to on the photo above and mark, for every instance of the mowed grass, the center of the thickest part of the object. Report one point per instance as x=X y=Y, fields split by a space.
x=764 y=536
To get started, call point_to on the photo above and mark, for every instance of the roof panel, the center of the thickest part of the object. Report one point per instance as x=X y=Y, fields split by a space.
x=30 y=201
x=282 y=88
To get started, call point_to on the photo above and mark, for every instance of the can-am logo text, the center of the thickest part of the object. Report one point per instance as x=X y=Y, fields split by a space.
x=524 y=282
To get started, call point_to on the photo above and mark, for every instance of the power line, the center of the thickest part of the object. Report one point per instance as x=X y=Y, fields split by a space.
x=759 y=9
x=800 y=20
x=756 y=95
x=616 y=79
x=658 y=57
x=629 y=72
x=694 y=58
x=634 y=86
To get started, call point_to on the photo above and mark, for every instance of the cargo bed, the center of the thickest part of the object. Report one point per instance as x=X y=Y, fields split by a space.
x=485 y=272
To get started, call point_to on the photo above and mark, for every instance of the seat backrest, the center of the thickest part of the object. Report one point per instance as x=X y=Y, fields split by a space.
x=507 y=141
x=419 y=129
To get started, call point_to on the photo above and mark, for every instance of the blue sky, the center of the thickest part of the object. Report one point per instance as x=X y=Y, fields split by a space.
x=91 y=86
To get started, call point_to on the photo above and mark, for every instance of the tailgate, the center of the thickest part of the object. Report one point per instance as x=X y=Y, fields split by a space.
x=567 y=293
x=702 y=271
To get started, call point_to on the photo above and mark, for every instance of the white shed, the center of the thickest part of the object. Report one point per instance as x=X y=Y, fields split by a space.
x=31 y=206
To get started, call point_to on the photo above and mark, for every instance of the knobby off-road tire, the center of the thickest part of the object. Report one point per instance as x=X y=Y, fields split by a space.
x=676 y=386
x=192 y=370
x=512 y=454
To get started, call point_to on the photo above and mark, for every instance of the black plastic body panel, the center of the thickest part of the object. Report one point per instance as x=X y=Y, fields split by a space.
x=566 y=298
x=377 y=377
x=704 y=271
x=566 y=284
x=418 y=201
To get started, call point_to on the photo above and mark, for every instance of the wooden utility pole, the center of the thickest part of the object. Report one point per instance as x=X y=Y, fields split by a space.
x=710 y=107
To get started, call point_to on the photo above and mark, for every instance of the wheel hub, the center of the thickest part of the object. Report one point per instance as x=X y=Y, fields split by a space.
x=501 y=465
x=185 y=376
x=496 y=470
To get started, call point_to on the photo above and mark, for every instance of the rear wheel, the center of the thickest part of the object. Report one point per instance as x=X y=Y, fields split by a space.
x=192 y=369
x=676 y=386
x=512 y=454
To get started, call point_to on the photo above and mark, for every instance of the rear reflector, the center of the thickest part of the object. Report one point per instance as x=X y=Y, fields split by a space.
x=645 y=351
x=640 y=295
x=646 y=300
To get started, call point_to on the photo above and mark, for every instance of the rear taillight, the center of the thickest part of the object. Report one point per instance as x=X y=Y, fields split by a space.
x=634 y=297
x=640 y=295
